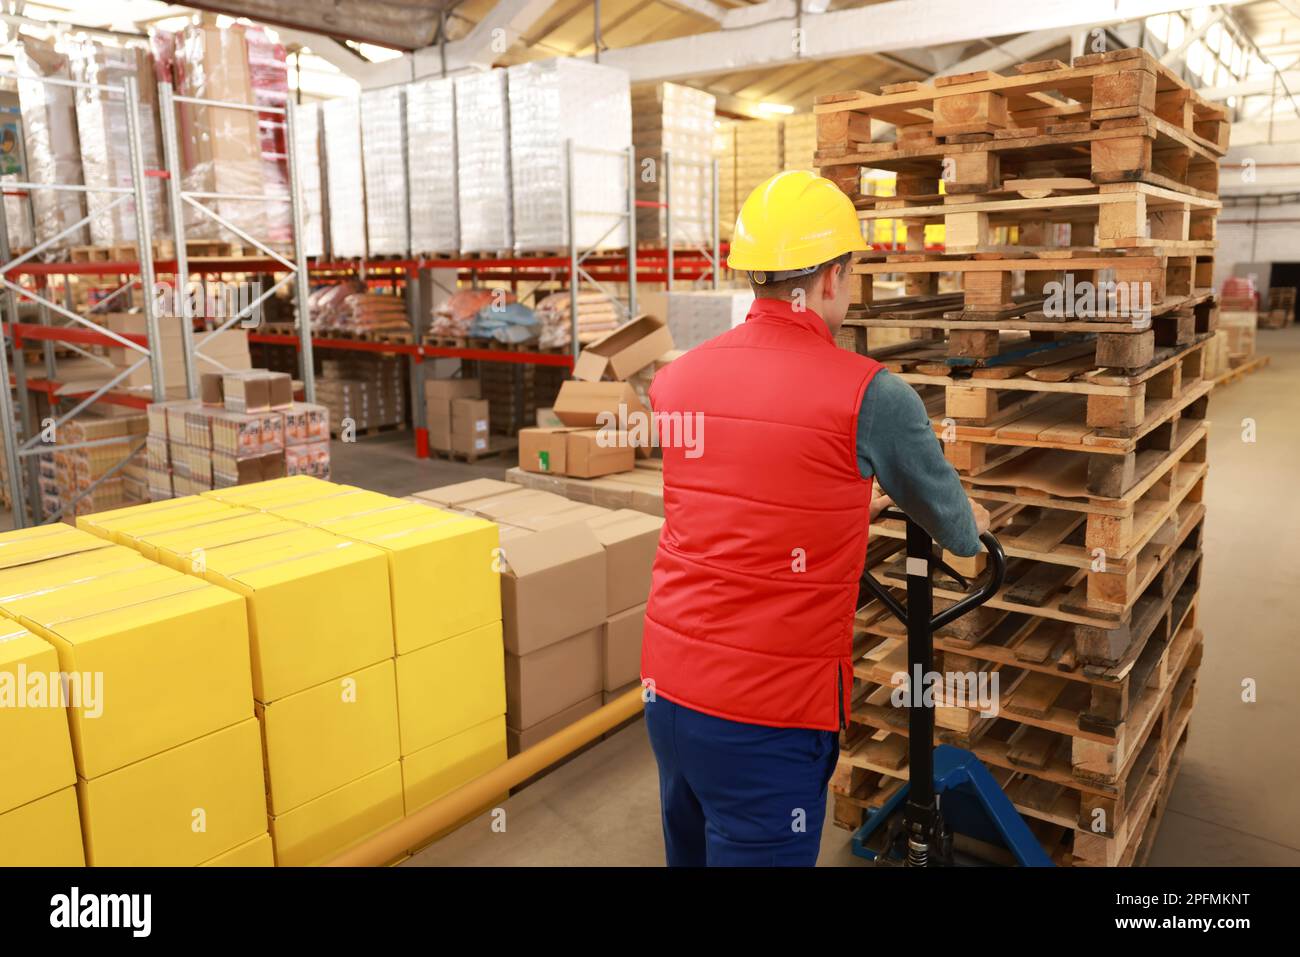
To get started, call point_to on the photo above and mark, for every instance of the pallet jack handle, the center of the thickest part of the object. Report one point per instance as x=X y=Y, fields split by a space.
x=997 y=574
x=925 y=828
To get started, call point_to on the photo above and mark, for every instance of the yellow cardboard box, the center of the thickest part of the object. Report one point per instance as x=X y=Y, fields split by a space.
x=178 y=808
x=68 y=570
x=259 y=852
x=36 y=753
x=443 y=570
x=324 y=737
x=153 y=665
x=96 y=522
x=449 y=686
x=43 y=833
x=283 y=491
x=439 y=769
x=22 y=547
x=313 y=615
x=184 y=549
x=124 y=526
x=357 y=501
x=318 y=830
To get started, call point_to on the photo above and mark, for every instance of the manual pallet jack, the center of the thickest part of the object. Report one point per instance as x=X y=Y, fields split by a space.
x=948 y=789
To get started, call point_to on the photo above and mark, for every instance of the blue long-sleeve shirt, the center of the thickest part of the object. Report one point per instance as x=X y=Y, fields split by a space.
x=897 y=445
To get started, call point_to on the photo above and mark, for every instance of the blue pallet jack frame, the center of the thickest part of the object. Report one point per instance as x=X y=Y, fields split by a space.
x=948 y=790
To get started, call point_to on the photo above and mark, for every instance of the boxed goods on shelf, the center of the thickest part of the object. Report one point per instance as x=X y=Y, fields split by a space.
x=553 y=103
x=311 y=186
x=678 y=120
x=431 y=165
x=724 y=151
x=483 y=159
x=220 y=147
x=344 y=183
x=799 y=141
x=102 y=135
x=50 y=137
x=383 y=158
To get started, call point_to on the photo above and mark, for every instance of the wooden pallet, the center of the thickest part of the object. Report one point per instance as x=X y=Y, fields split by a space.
x=497 y=444
x=1141 y=280
x=1240 y=371
x=1116 y=216
x=1101 y=789
x=1043 y=94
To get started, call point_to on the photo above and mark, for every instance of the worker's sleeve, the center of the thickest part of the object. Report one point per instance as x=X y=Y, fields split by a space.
x=897 y=445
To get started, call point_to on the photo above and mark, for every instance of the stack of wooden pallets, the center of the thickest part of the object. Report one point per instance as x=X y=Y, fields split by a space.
x=1065 y=378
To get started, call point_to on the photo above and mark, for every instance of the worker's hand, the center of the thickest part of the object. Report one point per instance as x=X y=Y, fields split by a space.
x=981 y=517
x=879 y=503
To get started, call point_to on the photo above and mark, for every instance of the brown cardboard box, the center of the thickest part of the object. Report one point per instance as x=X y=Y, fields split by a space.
x=608 y=696
x=553 y=586
x=620 y=648
x=542 y=449
x=451 y=389
x=440 y=434
x=628 y=349
x=469 y=443
x=547 y=681
x=210 y=390
x=587 y=457
x=499 y=508
x=469 y=417
x=517 y=741
x=590 y=405
x=462 y=493
x=630 y=539
x=256 y=390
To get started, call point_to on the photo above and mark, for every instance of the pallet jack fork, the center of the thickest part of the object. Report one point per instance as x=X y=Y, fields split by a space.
x=947 y=787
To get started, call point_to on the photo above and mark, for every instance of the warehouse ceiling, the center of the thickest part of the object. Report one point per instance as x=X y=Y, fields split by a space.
x=401 y=24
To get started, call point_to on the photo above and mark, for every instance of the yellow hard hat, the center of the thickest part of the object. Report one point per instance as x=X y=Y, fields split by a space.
x=792 y=223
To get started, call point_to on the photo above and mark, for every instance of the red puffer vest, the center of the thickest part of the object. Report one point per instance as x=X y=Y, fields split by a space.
x=756 y=578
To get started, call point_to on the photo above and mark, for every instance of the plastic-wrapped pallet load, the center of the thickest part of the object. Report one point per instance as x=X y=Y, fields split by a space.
x=431 y=166
x=17 y=218
x=758 y=155
x=483 y=162
x=311 y=189
x=105 y=141
x=724 y=151
x=678 y=120
x=50 y=133
x=800 y=141
x=383 y=150
x=556 y=101
x=344 y=183
x=220 y=152
x=269 y=74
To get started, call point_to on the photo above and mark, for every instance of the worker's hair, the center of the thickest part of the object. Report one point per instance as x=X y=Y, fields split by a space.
x=786 y=288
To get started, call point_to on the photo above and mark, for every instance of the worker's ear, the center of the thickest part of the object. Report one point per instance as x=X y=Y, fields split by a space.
x=831 y=279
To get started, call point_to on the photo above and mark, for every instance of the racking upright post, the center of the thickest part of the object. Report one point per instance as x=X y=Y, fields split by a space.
x=32 y=442
x=144 y=238
x=171 y=160
x=295 y=270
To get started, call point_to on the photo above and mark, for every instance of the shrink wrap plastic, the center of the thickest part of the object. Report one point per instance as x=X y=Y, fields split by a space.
x=431 y=166
x=483 y=162
x=310 y=186
x=383 y=149
x=551 y=102
x=344 y=183
x=268 y=71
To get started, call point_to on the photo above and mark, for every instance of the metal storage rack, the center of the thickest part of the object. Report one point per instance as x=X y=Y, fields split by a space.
x=600 y=269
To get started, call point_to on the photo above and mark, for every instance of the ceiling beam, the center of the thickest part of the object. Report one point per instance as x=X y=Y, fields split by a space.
x=1172 y=56
x=885 y=27
x=1021 y=49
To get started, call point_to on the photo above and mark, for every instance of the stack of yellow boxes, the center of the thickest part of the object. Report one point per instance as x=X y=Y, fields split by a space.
x=321 y=646
x=446 y=614
x=325 y=656
x=154 y=667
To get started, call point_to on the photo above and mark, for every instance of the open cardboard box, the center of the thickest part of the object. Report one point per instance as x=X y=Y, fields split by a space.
x=625 y=351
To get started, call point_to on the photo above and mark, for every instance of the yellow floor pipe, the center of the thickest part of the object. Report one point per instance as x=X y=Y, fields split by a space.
x=465 y=801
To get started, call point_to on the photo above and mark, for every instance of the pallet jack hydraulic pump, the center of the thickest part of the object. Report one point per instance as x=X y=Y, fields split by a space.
x=948 y=788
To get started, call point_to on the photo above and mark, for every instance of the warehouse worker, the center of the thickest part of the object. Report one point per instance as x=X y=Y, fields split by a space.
x=749 y=627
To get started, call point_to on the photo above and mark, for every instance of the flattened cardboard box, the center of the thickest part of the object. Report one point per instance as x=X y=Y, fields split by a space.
x=462 y=493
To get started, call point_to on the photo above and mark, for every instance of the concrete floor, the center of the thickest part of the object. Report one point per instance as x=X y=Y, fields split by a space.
x=1234 y=799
